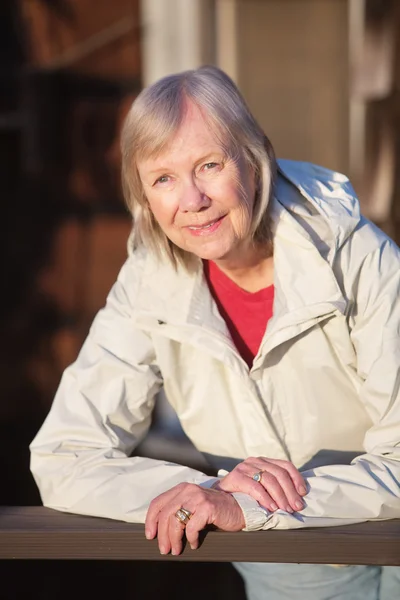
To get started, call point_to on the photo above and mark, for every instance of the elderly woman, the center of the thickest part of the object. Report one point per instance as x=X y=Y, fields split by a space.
x=268 y=310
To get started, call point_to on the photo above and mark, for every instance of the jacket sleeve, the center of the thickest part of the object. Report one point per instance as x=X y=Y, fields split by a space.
x=80 y=458
x=368 y=488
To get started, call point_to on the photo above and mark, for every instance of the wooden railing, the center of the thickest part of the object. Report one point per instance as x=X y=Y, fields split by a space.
x=40 y=533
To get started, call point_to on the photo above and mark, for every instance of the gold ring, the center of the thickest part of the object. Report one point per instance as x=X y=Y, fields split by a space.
x=257 y=476
x=183 y=515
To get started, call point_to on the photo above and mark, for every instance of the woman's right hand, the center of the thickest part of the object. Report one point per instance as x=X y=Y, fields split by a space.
x=280 y=486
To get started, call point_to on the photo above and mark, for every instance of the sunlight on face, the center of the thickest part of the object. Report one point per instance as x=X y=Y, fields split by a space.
x=201 y=198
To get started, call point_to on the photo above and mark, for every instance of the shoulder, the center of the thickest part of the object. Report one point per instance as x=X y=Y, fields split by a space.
x=368 y=266
x=136 y=276
x=367 y=238
x=132 y=270
x=127 y=284
x=328 y=195
x=325 y=204
x=322 y=199
x=148 y=283
x=370 y=248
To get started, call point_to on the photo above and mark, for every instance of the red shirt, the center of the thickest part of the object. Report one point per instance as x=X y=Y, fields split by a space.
x=246 y=314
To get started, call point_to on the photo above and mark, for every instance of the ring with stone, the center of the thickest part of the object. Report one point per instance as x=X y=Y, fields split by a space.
x=183 y=515
x=257 y=476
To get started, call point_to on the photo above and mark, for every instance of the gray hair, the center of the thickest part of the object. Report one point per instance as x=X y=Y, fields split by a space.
x=151 y=123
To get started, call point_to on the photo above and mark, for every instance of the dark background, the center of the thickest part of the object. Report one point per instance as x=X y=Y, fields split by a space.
x=64 y=228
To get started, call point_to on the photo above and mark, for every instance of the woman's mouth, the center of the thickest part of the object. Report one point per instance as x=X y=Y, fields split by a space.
x=207 y=228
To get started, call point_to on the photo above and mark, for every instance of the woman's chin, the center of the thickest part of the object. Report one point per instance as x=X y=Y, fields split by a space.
x=210 y=249
x=214 y=250
x=209 y=254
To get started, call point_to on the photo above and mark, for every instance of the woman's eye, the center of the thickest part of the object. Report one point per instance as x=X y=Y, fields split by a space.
x=162 y=179
x=210 y=165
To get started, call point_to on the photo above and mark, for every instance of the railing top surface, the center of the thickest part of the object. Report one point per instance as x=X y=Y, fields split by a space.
x=40 y=533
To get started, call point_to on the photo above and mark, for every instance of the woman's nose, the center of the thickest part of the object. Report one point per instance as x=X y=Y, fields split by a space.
x=193 y=198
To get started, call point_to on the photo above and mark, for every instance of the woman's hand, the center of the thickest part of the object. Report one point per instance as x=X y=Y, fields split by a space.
x=280 y=484
x=208 y=507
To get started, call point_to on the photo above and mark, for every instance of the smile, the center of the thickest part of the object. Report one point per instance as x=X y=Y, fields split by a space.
x=202 y=227
x=206 y=228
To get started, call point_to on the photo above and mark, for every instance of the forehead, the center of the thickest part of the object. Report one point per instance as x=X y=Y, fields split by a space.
x=195 y=136
x=195 y=131
x=196 y=119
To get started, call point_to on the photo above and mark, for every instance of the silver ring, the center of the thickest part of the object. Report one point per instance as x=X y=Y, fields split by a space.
x=183 y=515
x=257 y=476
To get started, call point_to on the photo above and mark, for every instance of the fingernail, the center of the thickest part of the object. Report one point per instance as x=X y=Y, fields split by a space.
x=162 y=551
x=174 y=552
x=302 y=490
x=193 y=547
x=148 y=535
x=289 y=509
x=298 y=504
x=273 y=506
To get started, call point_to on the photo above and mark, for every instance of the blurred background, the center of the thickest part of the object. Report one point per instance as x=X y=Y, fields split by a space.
x=322 y=77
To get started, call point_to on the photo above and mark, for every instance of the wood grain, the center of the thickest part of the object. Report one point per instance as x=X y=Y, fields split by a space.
x=40 y=533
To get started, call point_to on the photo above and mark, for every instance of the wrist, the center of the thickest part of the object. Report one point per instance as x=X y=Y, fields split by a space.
x=255 y=516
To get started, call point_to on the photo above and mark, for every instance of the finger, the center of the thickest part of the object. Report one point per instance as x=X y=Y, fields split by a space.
x=151 y=522
x=196 y=524
x=279 y=484
x=240 y=482
x=175 y=533
x=152 y=516
x=163 y=539
x=273 y=478
x=260 y=461
x=279 y=490
x=296 y=476
x=156 y=506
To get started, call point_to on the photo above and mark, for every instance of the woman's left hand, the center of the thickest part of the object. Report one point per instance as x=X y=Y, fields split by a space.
x=207 y=507
x=278 y=485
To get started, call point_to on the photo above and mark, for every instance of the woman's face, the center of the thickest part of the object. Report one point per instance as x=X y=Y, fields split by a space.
x=201 y=198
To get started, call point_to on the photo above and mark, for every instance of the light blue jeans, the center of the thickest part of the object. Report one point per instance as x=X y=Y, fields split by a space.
x=270 y=581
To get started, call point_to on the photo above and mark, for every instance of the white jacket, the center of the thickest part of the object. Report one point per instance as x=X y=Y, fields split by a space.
x=324 y=386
